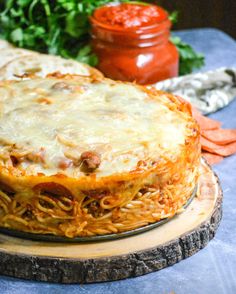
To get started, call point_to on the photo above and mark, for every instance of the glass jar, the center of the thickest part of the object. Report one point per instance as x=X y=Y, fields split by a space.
x=142 y=53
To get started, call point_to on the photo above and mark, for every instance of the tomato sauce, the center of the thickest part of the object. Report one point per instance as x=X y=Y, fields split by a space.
x=129 y=15
x=132 y=43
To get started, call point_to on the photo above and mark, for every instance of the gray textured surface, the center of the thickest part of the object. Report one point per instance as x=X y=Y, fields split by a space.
x=212 y=270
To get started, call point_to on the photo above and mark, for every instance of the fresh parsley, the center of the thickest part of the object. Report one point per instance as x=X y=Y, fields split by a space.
x=58 y=27
x=189 y=59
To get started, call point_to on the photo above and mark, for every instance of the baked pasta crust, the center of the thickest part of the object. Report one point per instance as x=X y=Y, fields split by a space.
x=37 y=199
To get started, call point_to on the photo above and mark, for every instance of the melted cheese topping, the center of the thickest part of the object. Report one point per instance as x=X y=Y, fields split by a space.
x=61 y=118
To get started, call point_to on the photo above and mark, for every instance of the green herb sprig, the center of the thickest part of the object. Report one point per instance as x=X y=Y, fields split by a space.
x=58 y=27
x=189 y=59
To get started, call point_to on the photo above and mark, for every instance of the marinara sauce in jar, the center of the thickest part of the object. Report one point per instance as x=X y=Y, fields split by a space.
x=132 y=43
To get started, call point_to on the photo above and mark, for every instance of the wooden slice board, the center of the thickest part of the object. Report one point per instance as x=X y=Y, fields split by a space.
x=156 y=249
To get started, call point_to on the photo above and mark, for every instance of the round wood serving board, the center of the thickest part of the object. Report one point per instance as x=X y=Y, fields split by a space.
x=156 y=249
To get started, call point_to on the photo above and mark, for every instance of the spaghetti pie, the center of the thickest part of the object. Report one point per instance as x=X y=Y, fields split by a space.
x=83 y=156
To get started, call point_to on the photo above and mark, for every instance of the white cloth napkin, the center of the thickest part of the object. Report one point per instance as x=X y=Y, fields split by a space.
x=207 y=91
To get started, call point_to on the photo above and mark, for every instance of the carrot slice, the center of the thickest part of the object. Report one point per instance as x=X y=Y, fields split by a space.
x=211 y=147
x=205 y=122
x=220 y=136
x=212 y=158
